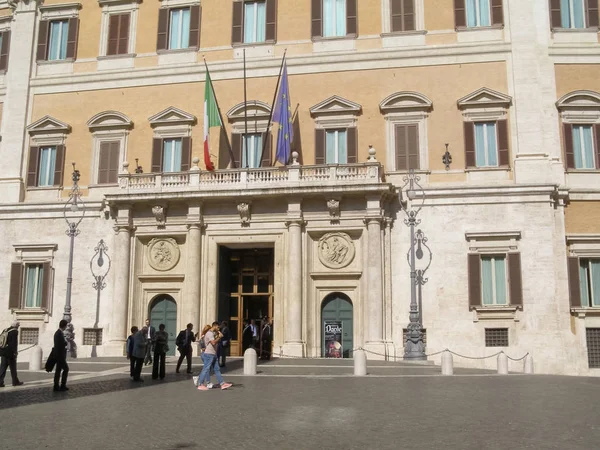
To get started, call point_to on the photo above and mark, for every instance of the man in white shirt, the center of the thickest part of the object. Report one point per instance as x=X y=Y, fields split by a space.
x=150 y=340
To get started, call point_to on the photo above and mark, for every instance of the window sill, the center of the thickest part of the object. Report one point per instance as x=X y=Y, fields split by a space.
x=403 y=38
x=480 y=34
x=582 y=171
x=31 y=315
x=586 y=311
x=334 y=44
x=122 y=56
x=496 y=313
x=575 y=35
x=488 y=169
x=43 y=188
x=116 y=62
x=59 y=67
x=258 y=50
x=178 y=56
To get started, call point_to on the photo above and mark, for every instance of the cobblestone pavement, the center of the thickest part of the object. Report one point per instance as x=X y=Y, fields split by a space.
x=397 y=407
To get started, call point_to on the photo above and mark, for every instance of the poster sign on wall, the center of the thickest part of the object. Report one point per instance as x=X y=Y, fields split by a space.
x=333 y=338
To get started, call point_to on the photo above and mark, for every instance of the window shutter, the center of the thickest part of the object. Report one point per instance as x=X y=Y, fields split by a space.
x=351 y=18
x=460 y=14
x=397 y=22
x=157 y=155
x=569 y=151
x=352 y=142
x=32 y=169
x=4 y=50
x=163 y=28
x=474 y=269
x=42 y=46
x=59 y=166
x=104 y=162
x=574 y=287
x=469 y=128
x=319 y=147
x=271 y=24
x=413 y=146
x=597 y=142
x=555 y=15
x=317 y=18
x=267 y=157
x=236 y=148
x=592 y=13
x=113 y=162
x=113 y=34
x=401 y=150
x=497 y=13
x=186 y=154
x=47 y=285
x=16 y=285
x=237 y=26
x=72 y=37
x=503 y=153
x=195 y=14
x=515 y=279
x=124 y=34
x=410 y=20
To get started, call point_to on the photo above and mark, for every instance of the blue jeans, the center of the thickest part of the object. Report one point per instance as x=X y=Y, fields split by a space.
x=209 y=361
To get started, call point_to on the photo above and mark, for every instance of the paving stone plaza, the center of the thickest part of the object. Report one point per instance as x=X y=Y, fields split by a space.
x=301 y=404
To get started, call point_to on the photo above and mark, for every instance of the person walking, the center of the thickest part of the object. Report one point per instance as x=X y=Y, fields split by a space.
x=129 y=350
x=140 y=343
x=60 y=353
x=224 y=344
x=184 y=346
x=267 y=339
x=246 y=337
x=254 y=328
x=161 y=347
x=150 y=336
x=211 y=340
x=8 y=354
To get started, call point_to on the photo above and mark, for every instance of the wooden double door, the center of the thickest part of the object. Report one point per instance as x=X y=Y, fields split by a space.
x=245 y=290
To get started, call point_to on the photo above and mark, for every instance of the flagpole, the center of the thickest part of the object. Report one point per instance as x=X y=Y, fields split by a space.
x=262 y=154
x=294 y=117
x=221 y=119
x=245 y=140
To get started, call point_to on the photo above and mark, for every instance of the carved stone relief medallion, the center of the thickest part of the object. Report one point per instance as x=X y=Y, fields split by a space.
x=336 y=250
x=163 y=254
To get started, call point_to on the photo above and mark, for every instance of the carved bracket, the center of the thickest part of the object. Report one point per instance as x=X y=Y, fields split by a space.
x=159 y=213
x=244 y=211
x=333 y=205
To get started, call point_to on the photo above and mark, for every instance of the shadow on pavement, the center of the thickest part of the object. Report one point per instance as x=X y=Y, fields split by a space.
x=85 y=388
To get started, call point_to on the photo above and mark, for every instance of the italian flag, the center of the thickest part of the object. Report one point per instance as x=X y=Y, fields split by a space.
x=211 y=119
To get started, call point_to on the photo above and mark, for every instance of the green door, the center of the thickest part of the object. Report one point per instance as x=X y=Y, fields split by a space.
x=164 y=310
x=338 y=307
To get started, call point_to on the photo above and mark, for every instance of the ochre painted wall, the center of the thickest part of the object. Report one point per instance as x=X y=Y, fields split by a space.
x=582 y=217
x=439 y=15
x=573 y=77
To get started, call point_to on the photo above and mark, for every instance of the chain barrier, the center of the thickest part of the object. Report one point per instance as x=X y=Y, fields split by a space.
x=27 y=348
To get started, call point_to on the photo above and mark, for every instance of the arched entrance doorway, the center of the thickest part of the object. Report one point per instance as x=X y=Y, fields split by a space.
x=163 y=309
x=336 y=324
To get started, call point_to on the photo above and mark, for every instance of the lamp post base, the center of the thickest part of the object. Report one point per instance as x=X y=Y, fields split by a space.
x=414 y=347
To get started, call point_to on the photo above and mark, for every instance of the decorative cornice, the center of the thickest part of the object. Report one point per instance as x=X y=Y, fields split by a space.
x=109 y=119
x=406 y=101
x=484 y=97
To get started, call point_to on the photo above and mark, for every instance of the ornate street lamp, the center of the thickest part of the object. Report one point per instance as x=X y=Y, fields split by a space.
x=73 y=212
x=414 y=348
x=99 y=266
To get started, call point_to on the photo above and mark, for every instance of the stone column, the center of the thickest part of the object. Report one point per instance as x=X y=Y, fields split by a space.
x=193 y=273
x=294 y=346
x=14 y=115
x=374 y=297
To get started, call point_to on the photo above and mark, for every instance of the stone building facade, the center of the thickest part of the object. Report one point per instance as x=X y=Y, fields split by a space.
x=495 y=105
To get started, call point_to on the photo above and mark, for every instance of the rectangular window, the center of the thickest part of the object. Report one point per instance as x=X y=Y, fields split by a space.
x=478 y=13
x=57 y=44
x=334 y=18
x=47 y=166
x=92 y=336
x=407 y=147
x=572 y=13
x=336 y=147
x=496 y=337
x=172 y=155
x=118 y=34
x=486 y=144
x=493 y=281
x=108 y=162
x=589 y=282
x=255 y=20
x=252 y=150
x=179 y=28
x=29 y=336
x=34 y=278
x=592 y=337
x=583 y=147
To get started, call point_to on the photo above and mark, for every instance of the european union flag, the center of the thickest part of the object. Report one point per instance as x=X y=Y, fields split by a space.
x=283 y=116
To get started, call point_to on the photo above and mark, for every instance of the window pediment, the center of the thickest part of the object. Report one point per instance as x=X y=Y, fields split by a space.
x=405 y=102
x=256 y=111
x=172 y=116
x=336 y=106
x=484 y=98
x=48 y=125
x=579 y=100
x=113 y=120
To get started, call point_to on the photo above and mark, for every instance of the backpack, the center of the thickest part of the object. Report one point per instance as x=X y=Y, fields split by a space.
x=4 y=339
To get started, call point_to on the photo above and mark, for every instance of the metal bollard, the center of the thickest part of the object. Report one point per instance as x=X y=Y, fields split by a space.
x=35 y=359
x=502 y=364
x=250 y=361
x=447 y=363
x=528 y=365
x=360 y=363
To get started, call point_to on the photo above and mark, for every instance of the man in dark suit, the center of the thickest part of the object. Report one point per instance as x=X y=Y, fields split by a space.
x=267 y=339
x=60 y=353
x=246 y=337
x=184 y=345
x=150 y=337
x=8 y=355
